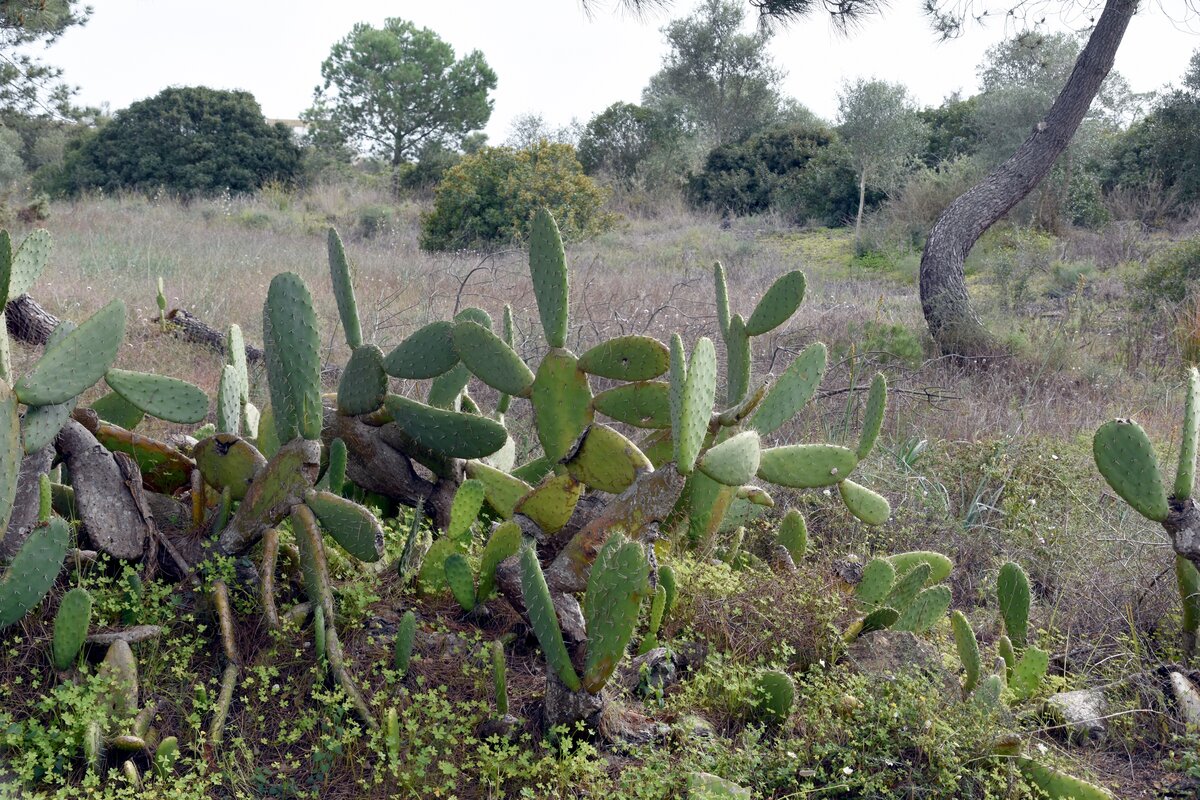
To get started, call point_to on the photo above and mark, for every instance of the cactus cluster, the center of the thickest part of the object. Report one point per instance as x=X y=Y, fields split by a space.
x=902 y=592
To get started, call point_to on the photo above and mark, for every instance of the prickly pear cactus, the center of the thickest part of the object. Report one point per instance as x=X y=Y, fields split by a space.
x=618 y=584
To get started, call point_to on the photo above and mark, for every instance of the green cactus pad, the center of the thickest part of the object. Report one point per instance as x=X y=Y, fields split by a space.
x=353 y=527
x=734 y=461
x=562 y=403
x=906 y=587
x=793 y=534
x=499 y=680
x=504 y=542
x=160 y=396
x=462 y=582
x=230 y=462
x=165 y=756
x=1187 y=578
x=235 y=356
x=334 y=478
x=464 y=509
x=807 y=466
x=1185 y=475
x=501 y=490
x=939 y=565
x=551 y=504
x=707 y=503
x=721 y=290
x=699 y=394
x=11 y=453
x=774 y=696
x=925 y=610
x=229 y=402
x=627 y=358
x=658 y=606
x=1059 y=785
x=1005 y=648
x=533 y=471
x=778 y=304
x=548 y=268
x=343 y=290
x=449 y=433
x=544 y=619
x=740 y=364
x=795 y=387
x=28 y=263
x=878 y=620
x=41 y=424
x=364 y=383
x=877 y=579
x=756 y=496
x=33 y=570
x=1028 y=672
x=606 y=460
x=119 y=668
x=870 y=507
x=426 y=353
x=448 y=390
x=968 y=650
x=491 y=360
x=1012 y=591
x=618 y=583
x=116 y=410
x=71 y=627
x=292 y=345
x=76 y=361
x=405 y=633
x=658 y=447
x=1126 y=459
x=666 y=579
x=873 y=416
x=505 y=400
x=643 y=405
x=706 y=786
x=677 y=370
x=6 y=255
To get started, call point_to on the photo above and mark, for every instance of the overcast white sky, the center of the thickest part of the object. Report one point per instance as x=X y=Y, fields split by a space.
x=549 y=56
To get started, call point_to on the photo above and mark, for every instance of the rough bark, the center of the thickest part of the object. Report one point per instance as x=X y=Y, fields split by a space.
x=952 y=321
x=25 y=507
x=28 y=322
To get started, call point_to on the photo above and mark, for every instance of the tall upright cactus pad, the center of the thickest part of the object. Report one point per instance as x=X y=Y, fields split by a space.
x=873 y=415
x=70 y=627
x=793 y=534
x=490 y=359
x=778 y=304
x=548 y=268
x=292 y=344
x=229 y=402
x=33 y=570
x=658 y=605
x=925 y=610
x=235 y=346
x=1012 y=591
x=352 y=526
x=562 y=403
x=364 y=383
x=698 y=394
x=1187 y=578
x=461 y=581
x=343 y=290
x=644 y=404
x=159 y=395
x=464 y=509
x=544 y=619
x=334 y=478
x=618 y=583
x=906 y=588
x=405 y=633
x=739 y=362
x=968 y=651
x=1126 y=459
x=508 y=334
x=721 y=289
x=606 y=460
x=11 y=453
x=627 y=358
x=28 y=262
x=427 y=353
x=499 y=679
x=119 y=669
x=448 y=433
x=504 y=542
x=1028 y=672
x=774 y=696
x=807 y=466
x=795 y=387
x=869 y=506
x=1185 y=475
x=76 y=361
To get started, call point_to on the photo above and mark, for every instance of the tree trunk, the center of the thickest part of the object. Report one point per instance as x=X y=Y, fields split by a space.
x=862 y=199
x=952 y=321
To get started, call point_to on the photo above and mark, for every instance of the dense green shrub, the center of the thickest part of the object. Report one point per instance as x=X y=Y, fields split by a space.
x=192 y=140
x=625 y=140
x=490 y=197
x=1171 y=276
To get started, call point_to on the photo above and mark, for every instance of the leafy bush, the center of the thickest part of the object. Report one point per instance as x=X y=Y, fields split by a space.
x=1171 y=276
x=191 y=140
x=490 y=197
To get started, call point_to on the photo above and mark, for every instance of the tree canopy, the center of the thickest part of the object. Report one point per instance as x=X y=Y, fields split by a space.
x=27 y=84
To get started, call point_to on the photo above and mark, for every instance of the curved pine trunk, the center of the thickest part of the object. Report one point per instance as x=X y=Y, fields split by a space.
x=952 y=321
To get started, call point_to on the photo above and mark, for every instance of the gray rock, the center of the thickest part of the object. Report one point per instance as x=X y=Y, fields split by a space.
x=139 y=633
x=1082 y=712
x=1187 y=698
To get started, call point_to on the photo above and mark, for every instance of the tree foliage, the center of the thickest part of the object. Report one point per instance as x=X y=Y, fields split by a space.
x=622 y=140
x=391 y=91
x=27 y=84
x=192 y=140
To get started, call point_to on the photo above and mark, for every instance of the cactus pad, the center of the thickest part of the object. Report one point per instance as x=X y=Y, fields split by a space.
x=793 y=534
x=807 y=466
x=462 y=583
x=230 y=462
x=116 y=410
x=617 y=585
x=160 y=396
x=734 y=461
x=968 y=650
x=939 y=565
x=229 y=402
x=721 y=290
x=907 y=586
x=699 y=394
x=877 y=620
x=449 y=433
x=873 y=415
x=41 y=424
x=795 y=387
x=33 y=570
x=364 y=383
x=740 y=364
x=706 y=786
x=606 y=460
x=1028 y=672
x=561 y=403
x=1126 y=459
x=774 y=696
x=778 y=304
x=28 y=263
x=627 y=358
x=491 y=360
x=877 y=579
x=548 y=268
x=447 y=390
x=1059 y=785
x=643 y=405
x=1185 y=475
x=235 y=355
x=677 y=370
x=292 y=345
x=426 y=353
x=501 y=490
x=1012 y=591
x=353 y=527
x=405 y=633
x=343 y=290
x=71 y=627
x=11 y=453
x=870 y=507
x=464 y=509
x=925 y=610
x=119 y=668
x=551 y=504
x=76 y=361
x=504 y=542
x=544 y=619
x=1188 y=580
